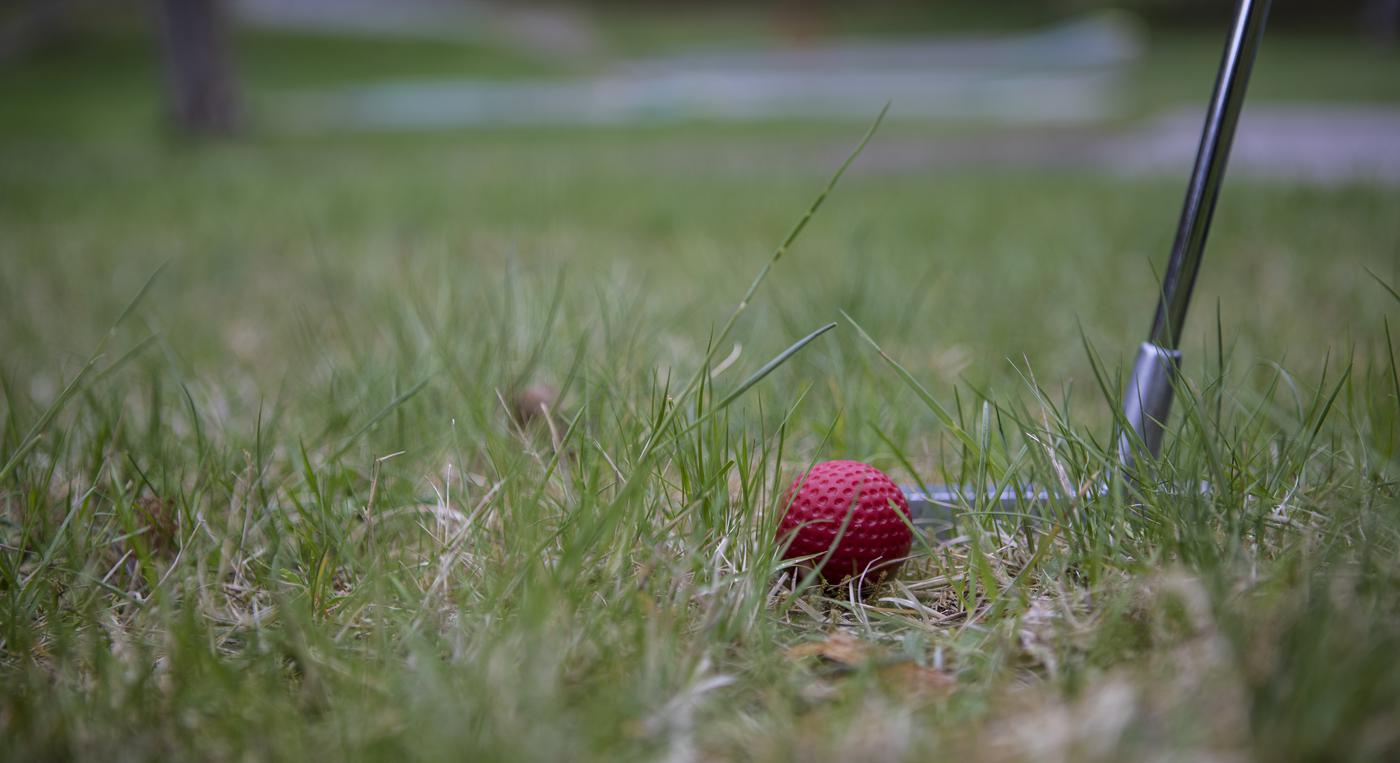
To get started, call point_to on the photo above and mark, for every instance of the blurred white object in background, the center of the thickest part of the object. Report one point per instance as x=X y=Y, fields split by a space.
x=1065 y=74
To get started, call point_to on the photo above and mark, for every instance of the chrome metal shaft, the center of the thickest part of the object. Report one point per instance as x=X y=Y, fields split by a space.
x=1147 y=402
x=1212 y=155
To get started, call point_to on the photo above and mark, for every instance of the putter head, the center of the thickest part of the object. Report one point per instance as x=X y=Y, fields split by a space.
x=935 y=509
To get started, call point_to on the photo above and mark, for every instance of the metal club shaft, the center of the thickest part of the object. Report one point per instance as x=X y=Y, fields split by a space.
x=1148 y=399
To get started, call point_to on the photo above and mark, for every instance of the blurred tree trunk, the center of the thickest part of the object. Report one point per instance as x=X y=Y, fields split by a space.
x=200 y=82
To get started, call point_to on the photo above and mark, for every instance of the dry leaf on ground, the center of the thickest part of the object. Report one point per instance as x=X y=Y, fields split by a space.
x=839 y=647
x=903 y=677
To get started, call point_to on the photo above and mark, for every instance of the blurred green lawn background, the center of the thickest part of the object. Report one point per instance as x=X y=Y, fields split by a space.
x=311 y=281
x=1000 y=263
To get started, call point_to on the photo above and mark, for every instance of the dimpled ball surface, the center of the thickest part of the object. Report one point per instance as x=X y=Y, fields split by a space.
x=876 y=535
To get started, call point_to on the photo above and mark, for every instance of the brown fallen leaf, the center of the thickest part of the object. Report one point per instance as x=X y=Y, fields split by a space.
x=839 y=647
x=900 y=676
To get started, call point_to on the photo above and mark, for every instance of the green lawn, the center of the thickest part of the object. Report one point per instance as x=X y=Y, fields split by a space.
x=280 y=509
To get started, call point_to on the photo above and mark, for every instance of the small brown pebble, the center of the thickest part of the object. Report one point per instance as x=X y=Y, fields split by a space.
x=533 y=401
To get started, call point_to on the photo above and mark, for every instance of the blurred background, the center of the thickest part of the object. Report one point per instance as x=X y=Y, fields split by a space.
x=384 y=252
x=309 y=167
x=1113 y=85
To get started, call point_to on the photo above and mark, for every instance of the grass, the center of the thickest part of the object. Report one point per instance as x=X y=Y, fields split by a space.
x=269 y=501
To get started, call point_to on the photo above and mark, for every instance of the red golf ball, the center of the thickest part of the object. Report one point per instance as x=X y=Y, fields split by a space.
x=875 y=538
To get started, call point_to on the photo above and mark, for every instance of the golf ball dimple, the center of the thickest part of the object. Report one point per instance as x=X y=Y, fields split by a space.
x=851 y=516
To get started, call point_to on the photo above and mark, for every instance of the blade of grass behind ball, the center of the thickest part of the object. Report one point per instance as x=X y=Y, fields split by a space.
x=944 y=417
x=761 y=277
x=763 y=372
x=667 y=416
